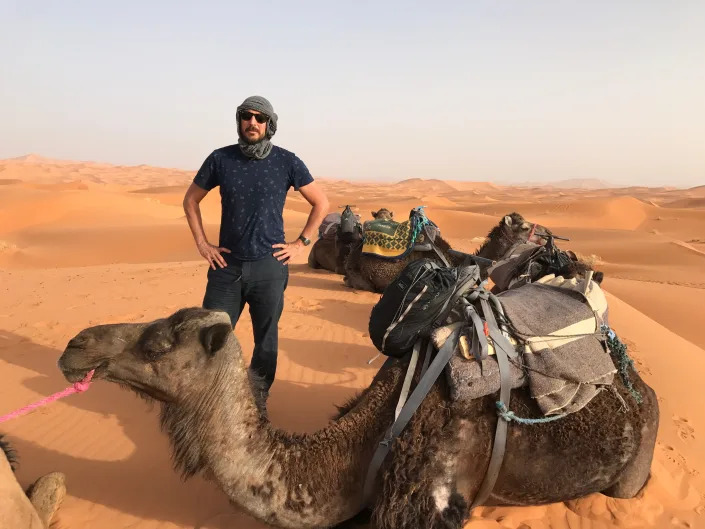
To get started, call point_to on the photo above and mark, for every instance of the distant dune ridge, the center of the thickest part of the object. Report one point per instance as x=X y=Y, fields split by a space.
x=83 y=243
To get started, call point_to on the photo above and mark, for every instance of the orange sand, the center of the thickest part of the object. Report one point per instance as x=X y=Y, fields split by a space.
x=87 y=243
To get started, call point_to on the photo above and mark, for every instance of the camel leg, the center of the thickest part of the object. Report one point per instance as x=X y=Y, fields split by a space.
x=46 y=495
x=354 y=279
x=636 y=473
x=15 y=508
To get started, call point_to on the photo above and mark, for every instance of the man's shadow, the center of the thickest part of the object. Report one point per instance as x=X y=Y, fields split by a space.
x=142 y=484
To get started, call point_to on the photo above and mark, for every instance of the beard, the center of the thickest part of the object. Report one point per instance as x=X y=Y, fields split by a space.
x=250 y=140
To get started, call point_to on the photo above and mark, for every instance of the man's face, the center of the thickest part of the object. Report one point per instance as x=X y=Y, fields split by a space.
x=252 y=130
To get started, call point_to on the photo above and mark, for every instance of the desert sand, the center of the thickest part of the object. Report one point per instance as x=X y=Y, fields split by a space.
x=85 y=243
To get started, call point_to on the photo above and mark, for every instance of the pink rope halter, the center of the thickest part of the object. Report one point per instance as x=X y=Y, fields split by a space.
x=531 y=233
x=77 y=387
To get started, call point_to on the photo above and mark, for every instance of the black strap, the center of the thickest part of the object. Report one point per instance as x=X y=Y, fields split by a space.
x=435 y=248
x=412 y=404
x=503 y=349
x=427 y=357
x=478 y=345
x=468 y=256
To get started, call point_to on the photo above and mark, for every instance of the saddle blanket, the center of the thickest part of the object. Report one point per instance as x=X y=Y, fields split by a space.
x=563 y=360
x=387 y=238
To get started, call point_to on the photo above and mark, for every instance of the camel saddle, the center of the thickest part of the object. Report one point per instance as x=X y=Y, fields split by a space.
x=393 y=240
x=556 y=333
x=330 y=224
x=556 y=328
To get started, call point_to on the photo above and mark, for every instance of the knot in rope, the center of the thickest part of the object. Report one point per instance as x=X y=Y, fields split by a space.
x=509 y=416
x=83 y=385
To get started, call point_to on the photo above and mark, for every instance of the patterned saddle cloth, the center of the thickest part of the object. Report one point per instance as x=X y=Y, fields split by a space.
x=394 y=240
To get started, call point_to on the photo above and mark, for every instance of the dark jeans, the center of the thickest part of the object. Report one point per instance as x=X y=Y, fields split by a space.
x=261 y=285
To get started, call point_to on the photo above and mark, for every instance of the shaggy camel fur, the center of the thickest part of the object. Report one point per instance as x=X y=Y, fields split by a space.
x=192 y=363
x=34 y=509
x=372 y=273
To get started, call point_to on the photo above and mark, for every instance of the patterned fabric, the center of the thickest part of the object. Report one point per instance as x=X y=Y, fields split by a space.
x=394 y=240
x=387 y=238
x=252 y=194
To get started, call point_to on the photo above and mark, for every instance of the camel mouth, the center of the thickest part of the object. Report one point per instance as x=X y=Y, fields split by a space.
x=73 y=374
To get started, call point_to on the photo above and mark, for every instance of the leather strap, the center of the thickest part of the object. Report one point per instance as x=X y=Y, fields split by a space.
x=407 y=380
x=435 y=247
x=503 y=349
x=412 y=404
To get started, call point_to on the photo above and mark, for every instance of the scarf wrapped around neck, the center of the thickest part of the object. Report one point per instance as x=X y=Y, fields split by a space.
x=262 y=148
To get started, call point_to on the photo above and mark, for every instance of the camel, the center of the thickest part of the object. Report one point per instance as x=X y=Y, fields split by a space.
x=192 y=364
x=34 y=509
x=368 y=272
x=331 y=253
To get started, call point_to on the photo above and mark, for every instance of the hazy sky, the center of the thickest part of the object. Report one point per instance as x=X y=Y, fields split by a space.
x=480 y=90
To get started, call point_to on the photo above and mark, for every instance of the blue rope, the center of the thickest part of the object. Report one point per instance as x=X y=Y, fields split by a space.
x=509 y=416
x=624 y=363
x=419 y=220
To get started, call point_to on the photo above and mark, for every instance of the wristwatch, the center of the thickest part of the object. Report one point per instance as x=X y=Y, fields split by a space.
x=304 y=240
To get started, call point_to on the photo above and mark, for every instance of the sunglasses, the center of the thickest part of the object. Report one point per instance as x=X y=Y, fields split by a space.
x=247 y=116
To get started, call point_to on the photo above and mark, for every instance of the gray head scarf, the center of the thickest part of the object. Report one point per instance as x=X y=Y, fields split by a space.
x=262 y=148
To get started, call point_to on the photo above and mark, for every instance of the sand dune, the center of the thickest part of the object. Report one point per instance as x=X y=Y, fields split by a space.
x=84 y=243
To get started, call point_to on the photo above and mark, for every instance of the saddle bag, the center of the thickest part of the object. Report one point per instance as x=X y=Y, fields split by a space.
x=328 y=227
x=415 y=302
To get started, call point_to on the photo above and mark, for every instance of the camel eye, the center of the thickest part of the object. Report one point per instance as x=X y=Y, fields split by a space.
x=155 y=342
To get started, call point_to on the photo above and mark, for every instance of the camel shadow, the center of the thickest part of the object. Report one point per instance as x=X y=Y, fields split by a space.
x=330 y=357
x=143 y=484
x=345 y=312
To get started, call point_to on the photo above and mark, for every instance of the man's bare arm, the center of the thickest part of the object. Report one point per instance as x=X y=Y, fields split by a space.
x=192 y=208
x=315 y=196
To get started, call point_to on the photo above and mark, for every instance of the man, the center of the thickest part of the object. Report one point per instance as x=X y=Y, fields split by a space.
x=249 y=265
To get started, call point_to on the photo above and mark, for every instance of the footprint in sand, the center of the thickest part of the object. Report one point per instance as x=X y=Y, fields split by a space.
x=685 y=430
x=673 y=456
x=306 y=305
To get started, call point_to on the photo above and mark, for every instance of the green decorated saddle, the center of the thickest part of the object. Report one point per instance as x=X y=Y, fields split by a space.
x=394 y=240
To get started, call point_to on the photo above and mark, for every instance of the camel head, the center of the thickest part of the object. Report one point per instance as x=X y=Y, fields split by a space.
x=169 y=359
x=516 y=228
x=512 y=229
x=383 y=214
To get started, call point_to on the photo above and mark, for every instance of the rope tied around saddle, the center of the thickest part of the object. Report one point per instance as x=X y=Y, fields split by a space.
x=509 y=416
x=618 y=350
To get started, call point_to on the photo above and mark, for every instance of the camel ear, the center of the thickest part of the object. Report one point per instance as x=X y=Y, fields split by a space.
x=572 y=255
x=374 y=214
x=391 y=214
x=214 y=337
x=507 y=220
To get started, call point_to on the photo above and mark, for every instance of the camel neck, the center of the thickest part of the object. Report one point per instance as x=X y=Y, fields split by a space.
x=293 y=480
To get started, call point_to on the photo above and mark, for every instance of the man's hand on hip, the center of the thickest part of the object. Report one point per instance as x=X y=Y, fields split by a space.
x=212 y=253
x=288 y=250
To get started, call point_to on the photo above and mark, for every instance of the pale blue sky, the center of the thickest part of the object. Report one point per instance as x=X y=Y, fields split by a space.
x=479 y=90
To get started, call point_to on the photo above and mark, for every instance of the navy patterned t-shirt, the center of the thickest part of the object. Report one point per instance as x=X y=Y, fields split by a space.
x=252 y=195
